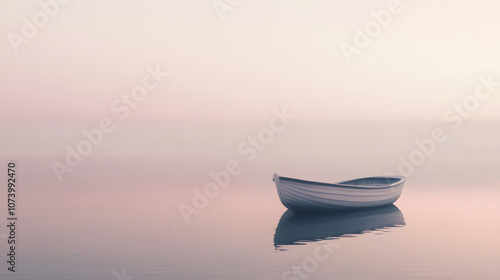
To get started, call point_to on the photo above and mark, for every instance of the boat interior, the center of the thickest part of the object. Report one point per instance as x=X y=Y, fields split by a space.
x=371 y=181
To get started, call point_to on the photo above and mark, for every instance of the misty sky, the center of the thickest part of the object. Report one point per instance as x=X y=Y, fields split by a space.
x=264 y=54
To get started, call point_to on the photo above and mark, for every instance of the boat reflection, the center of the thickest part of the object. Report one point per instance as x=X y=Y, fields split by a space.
x=295 y=227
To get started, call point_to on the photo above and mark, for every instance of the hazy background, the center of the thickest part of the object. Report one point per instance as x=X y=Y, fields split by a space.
x=261 y=56
x=264 y=54
x=226 y=77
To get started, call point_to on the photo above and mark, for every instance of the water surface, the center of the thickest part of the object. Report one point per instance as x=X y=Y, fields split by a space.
x=118 y=215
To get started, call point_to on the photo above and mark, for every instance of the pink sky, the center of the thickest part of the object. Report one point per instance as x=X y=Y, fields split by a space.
x=263 y=55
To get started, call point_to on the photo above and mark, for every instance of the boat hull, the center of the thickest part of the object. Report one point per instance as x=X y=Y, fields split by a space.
x=301 y=195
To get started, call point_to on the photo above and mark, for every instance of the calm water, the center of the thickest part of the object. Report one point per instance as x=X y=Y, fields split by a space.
x=116 y=216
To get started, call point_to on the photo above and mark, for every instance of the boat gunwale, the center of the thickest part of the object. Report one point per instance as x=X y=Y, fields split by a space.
x=401 y=180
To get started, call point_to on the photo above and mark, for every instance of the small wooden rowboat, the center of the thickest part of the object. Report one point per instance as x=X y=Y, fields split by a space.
x=296 y=194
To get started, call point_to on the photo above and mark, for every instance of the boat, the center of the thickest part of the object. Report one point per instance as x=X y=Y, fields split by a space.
x=304 y=195
x=297 y=228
